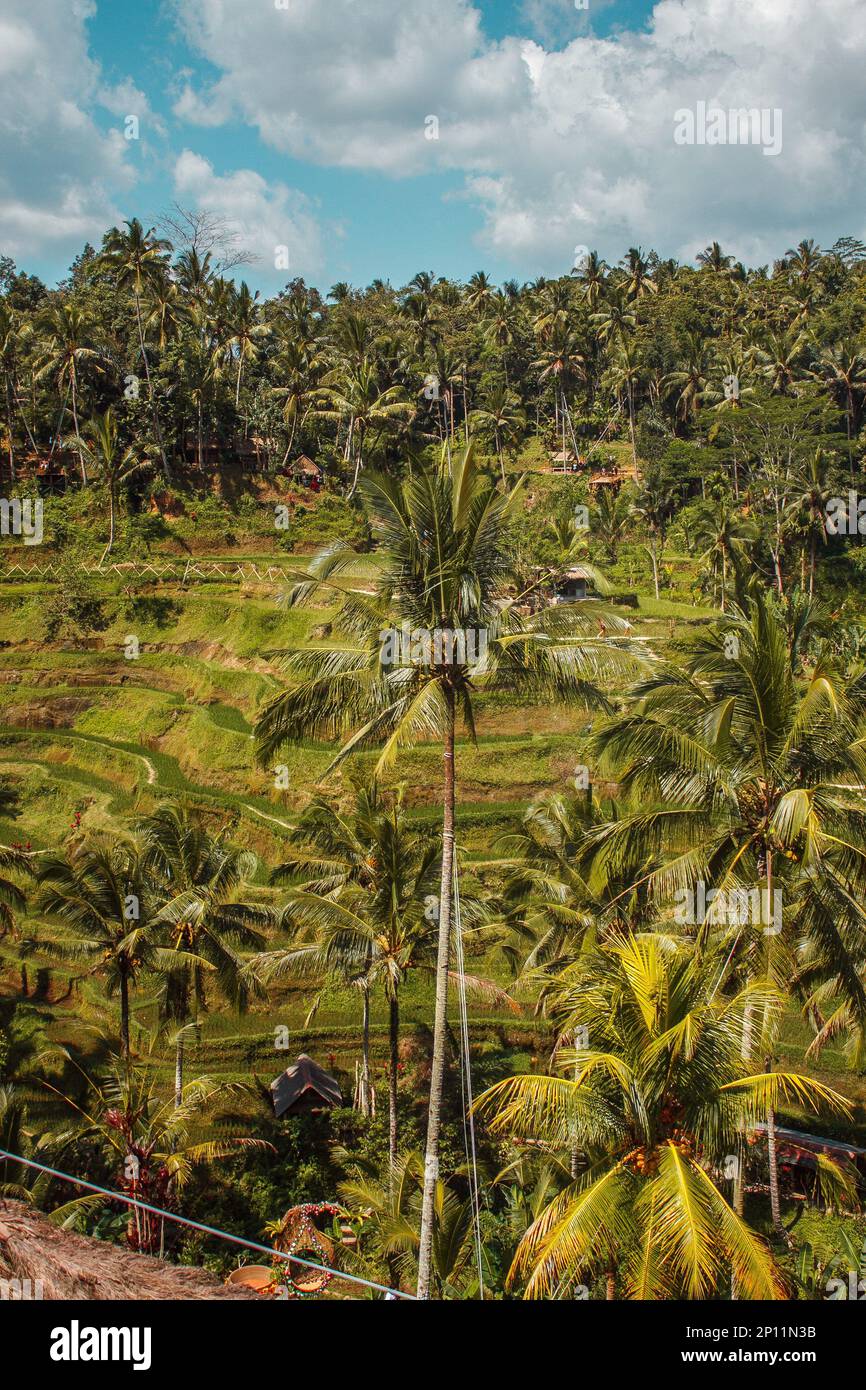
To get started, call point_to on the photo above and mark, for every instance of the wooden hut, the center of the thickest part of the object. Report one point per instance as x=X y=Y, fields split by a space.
x=304 y=1088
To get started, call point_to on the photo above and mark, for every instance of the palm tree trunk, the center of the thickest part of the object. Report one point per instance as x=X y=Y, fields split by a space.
x=365 y=1054
x=75 y=422
x=124 y=1015
x=655 y=563
x=144 y=358
x=393 y=1043
x=437 y=1075
x=178 y=1069
x=108 y=548
x=773 y=1160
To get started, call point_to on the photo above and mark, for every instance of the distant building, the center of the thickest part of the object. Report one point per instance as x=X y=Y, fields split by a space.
x=574 y=585
x=303 y=1088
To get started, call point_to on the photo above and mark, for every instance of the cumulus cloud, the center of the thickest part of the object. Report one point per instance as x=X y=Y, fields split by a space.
x=562 y=143
x=59 y=173
x=264 y=217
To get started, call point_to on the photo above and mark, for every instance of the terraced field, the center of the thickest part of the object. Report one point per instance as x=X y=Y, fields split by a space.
x=87 y=730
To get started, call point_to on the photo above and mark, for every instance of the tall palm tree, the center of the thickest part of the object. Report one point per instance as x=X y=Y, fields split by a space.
x=245 y=332
x=843 y=368
x=501 y=411
x=814 y=482
x=100 y=894
x=591 y=275
x=68 y=335
x=136 y=259
x=719 y=532
x=199 y=920
x=100 y=448
x=714 y=259
x=356 y=396
x=361 y=888
x=446 y=566
x=656 y=1098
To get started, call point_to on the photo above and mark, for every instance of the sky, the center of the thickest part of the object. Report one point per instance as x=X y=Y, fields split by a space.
x=354 y=139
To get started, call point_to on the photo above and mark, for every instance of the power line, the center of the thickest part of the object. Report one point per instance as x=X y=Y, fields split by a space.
x=207 y=1230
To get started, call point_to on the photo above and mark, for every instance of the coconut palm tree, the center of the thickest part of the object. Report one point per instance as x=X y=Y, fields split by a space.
x=136 y=260
x=245 y=332
x=591 y=274
x=653 y=506
x=362 y=885
x=720 y=533
x=68 y=335
x=610 y=520
x=656 y=1097
x=356 y=396
x=153 y=1147
x=843 y=368
x=501 y=411
x=100 y=894
x=112 y=463
x=390 y=1211
x=814 y=482
x=199 y=920
x=752 y=776
x=714 y=259
x=445 y=567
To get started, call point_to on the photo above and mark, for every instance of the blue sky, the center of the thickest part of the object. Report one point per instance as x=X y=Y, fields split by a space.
x=306 y=128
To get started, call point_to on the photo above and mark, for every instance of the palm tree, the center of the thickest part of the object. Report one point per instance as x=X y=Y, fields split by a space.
x=720 y=532
x=68 y=334
x=355 y=395
x=390 y=1211
x=610 y=520
x=245 y=332
x=656 y=1099
x=692 y=378
x=367 y=880
x=638 y=279
x=152 y=1146
x=100 y=894
x=113 y=464
x=591 y=275
x=653 y=506
x=815 y=482
x=446 y=563
x=843 y=369
x=137 y=261
x=780 y=360
x=501 y=411
x=199 y=920
x=753 y=775
x=714 y=259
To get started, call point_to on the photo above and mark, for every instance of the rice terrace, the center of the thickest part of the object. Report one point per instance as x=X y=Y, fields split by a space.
x=432 y=707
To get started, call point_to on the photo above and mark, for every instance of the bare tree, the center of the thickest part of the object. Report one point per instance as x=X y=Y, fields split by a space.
x=202 y=231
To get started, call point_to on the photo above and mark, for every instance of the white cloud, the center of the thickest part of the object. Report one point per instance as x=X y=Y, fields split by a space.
x=263 y=216
x=59 y=173
x=562 y=145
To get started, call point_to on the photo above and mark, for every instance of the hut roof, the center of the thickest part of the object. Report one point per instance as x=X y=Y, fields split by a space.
x=72 y=1266
x=306 y=465
x=300 y=1085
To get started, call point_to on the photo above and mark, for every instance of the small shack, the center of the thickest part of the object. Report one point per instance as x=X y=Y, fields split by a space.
x=304 y=1088
x=574 y=585
x=306 y=473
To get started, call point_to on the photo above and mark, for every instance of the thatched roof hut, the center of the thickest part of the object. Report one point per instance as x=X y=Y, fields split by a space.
x=304 y=1087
